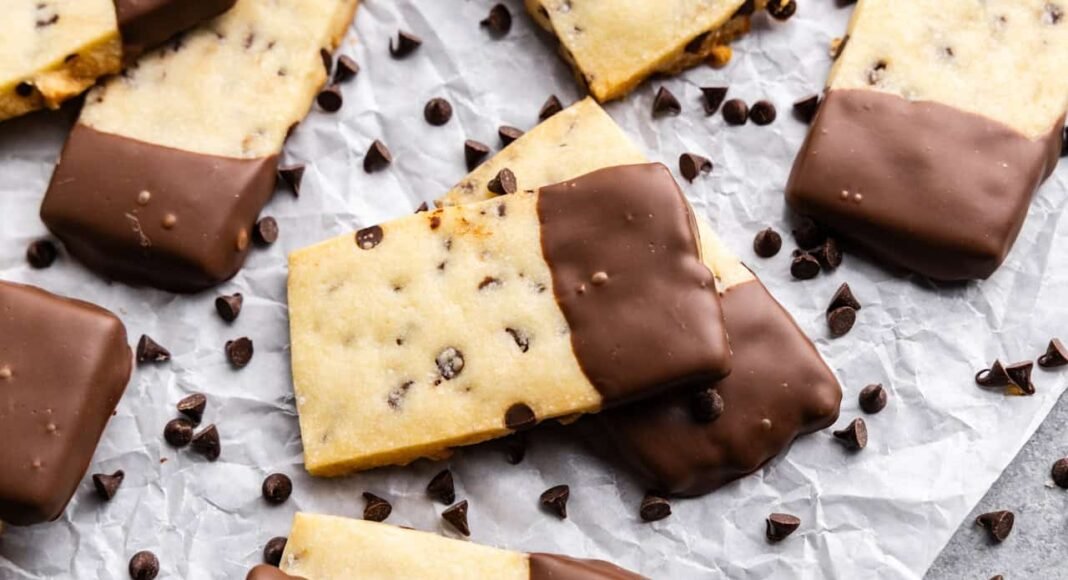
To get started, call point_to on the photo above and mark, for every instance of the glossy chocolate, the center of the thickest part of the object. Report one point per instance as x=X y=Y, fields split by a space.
x=147 y=23
x=64 y=364
x=556 y=567
x=920 y=184
x=621 y=245
x=152 y=215
x=779 y=389
x=266 y=572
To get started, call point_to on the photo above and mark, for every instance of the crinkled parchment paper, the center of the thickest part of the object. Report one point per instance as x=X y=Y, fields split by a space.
x=883 y=513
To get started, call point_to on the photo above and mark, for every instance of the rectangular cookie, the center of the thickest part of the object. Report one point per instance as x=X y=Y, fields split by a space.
x=466 y=323
x=777 y=374
x=52 y=50
x=932 y=138
x=332 y=548
x=163 y=176
x=64 y=364
x=613 y=45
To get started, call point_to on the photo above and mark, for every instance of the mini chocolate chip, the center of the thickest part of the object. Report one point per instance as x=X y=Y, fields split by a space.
x=767 y=243
x=377 y=157
x=272 y=552
x=229 y=306
x=41 y=254
x=474 y=153
x=193 y=407
x=24 y=89
x=178 y=432
x=712 y=98
x=1056 y=355
x=995 y=376
x=499 y=21
x=277 y=487
x=654 y=508
x=207 y=443
x=328 y=60
x=503 y=183
x=779 y=526
x=106 y=485
x=442 y=488
x=691 y=165
x=829 y=255
x=292 y=175
x=735 y=112
x=665 y=103
x=872 y=399
x=855 y=436
x=555 y=499
x=437 y=111
x=843 y=297
x=763 y=113
x=144 y=566
x=406 y=44
x=369 y=237
x=804 y=266
x=1020 y=378
x=239 y=351
x=781 y=9
x=520 y=417
x=450 y=363
x=330 y=99
x=1059 y=472
x=998 y=524
x=515 y=448
x=457 y=517
x=551 y=107
x=489 y=282
x=1054 y=13
x=435 y=223
x=149 y=350
x=266 y=231
x=808 y=234
x=521 y=338
x=376 y=509
x=423 y=207
x=841 y=320
x=347 y=69
x=707 y=405
x=747 y=8
x=805 y=108
x=508 y=134
x=876 y=74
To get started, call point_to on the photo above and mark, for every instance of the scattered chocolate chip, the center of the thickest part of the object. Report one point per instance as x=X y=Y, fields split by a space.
x=691 y=165
x=106 y=485
x=457 y=517
x=369 y=237
x=805 y=108
x=207 y=443
x=1059 y=472
x=767 y=243
x=292 y=175
x=551 y=107
x=998 y=524
x=995 y=376
x=1020 y=378
x=877 y=72
x=808 y=234
x=328 y=60
x=707 y=405
x=508 y=134
x=503 y=183
x=277 y=488
x=144 y=566
x=520 y=417
x=437 y=111
x=665 y=103
x=266 y=231
x=515 y=448
x=804 y=266
x=843 y=297
x=41 y=254
x=654 y=508
x=735 y=112
x=347 y=69
x=499 y=21
x=829 y=254
x=229 y=306
x=193 y=407
x=781 y=9
x=854 y=436
x=272 y=552
x=239 y=351
x=763 y=113
x=841 y=320
x=149 y=350
x=376 y=509
x=178 y=432
x=1054 y=14
x=24 y=89
x=330 y=99
x=474 y=153
x=442 y=488
x=1056 y=355
x=450 y=363
x=779 y=526
x=712 y=98
x=423 y=207
x=872 y=399
x=377 y=157
x=555 y=499
x=406 y=44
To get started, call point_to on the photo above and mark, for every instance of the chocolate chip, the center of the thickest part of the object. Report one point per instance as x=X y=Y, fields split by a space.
x=330 y=99
x=665 y=103
x=272 y=552
x=841 y=320
x=437 y=111
x=804 y=266
x=277 y=487
x=178 y=432
x=369 y=237
x=144 y=566
x=423 y=207
x=292 y=175
x=193 y=407
x=1059 y=472
x=450 y=363
x=872 y=399
x=24 y=89
x=149 y=350
x=406 y=44
x=767 y=243
x=1056 y=355
x=855 y=436
x=457 y=517
x=1020 y=378
x=515 y=448
x=998 y=524
x=474 y=153
x=763 y=113
x=520 y=417
x=829 y=255
x=551 y=107
x=347 y=69
x=377 y=157
x=41 y=254
x=707 y=405
x=555 y=499
x=843 y=297
x=877 y=72
x=808 y=234
x=266 y=231
x=207 y=443
x=735 y=112
x=503 y=183
x=781 y=9
x=229 y=306
x=107 y=485
x=489 y=282
x=239 y=351
x=521 y=338
x=691 y=165
x=499 y=21
x=746 y=9
x=442 y=488
x=712 y=98
x=376 y=509
x=654 y=508
x=508 y=134
x=1054 y=13
x=995 y=376
x=805 y=108
x=779 y=526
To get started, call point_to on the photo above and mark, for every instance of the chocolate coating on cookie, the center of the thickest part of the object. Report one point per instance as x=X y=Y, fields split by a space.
x=147 y=23
x=557 y=567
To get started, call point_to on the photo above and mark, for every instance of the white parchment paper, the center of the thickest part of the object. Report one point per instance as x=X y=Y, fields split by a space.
x=883 y=513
